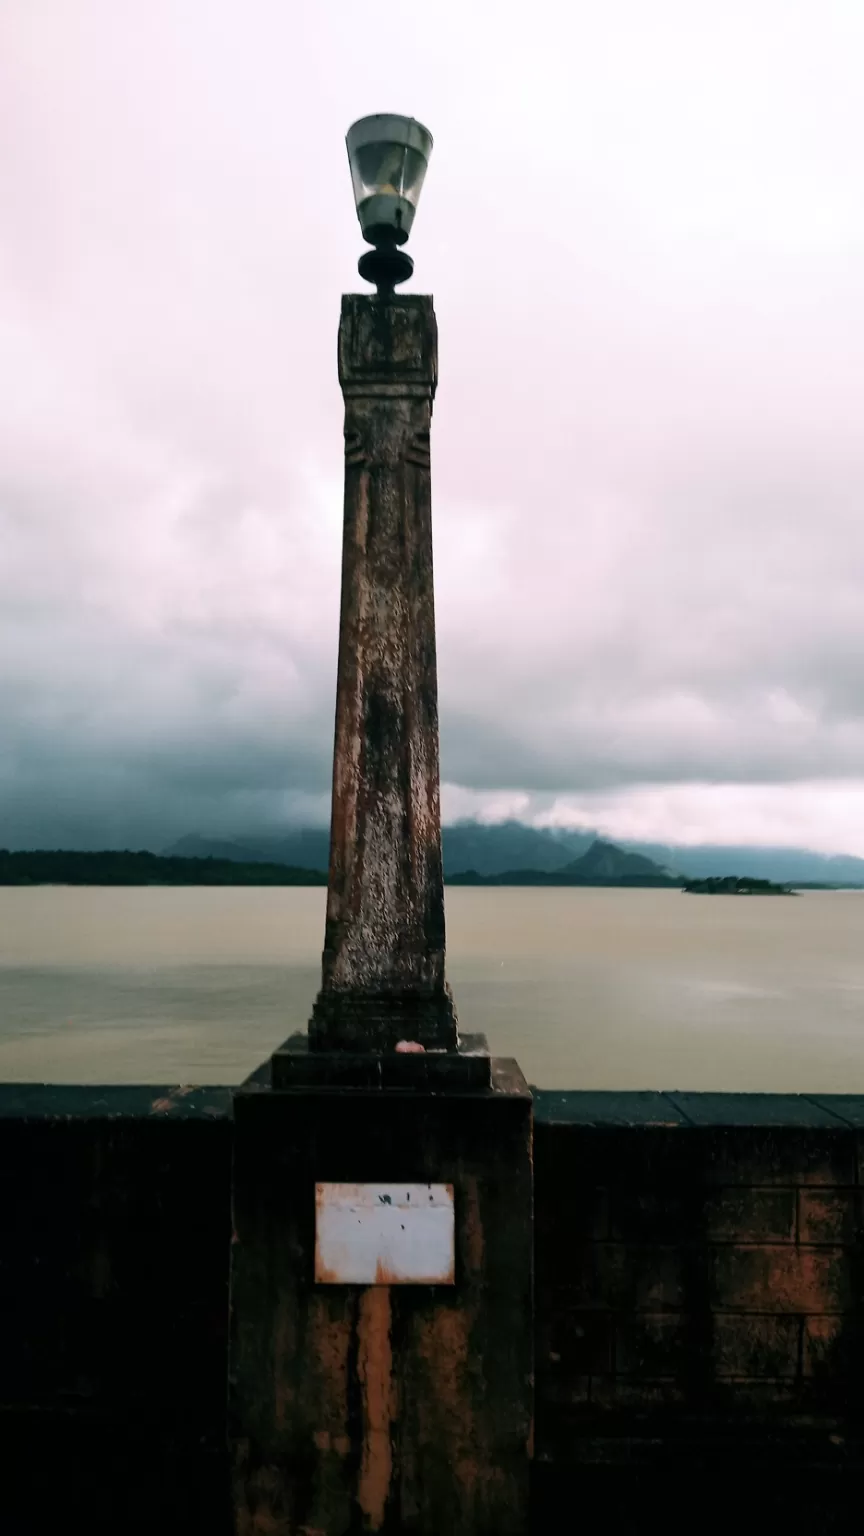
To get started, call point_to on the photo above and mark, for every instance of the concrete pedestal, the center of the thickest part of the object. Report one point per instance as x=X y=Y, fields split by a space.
x=392 y=1408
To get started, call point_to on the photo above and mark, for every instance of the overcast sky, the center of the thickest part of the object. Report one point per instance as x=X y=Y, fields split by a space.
x=644 y=229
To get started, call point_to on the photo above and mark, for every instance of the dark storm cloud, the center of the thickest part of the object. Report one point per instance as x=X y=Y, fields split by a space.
x=648 y=465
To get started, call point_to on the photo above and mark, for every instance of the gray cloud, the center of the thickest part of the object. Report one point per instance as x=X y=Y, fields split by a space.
x=648 y=465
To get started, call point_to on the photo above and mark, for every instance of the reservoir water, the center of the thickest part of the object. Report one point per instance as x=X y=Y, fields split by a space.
x=587 y=988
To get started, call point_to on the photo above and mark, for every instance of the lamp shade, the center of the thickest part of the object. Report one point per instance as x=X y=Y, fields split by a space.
x=388 y=156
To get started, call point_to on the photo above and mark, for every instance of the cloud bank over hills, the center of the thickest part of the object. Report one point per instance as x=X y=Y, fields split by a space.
x=503 y=848
x=648 y=461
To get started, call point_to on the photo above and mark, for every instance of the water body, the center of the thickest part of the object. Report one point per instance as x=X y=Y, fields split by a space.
x=587 y=988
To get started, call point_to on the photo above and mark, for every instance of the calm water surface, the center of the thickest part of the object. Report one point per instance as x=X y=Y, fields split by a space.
x=589 y=989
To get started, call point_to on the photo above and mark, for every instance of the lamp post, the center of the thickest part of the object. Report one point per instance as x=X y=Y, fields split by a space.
x=383 y=982
x=381 y=1259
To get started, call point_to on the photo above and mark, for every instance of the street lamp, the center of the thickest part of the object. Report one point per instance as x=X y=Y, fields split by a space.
x=388 y=155
x=387 y=1149
x=383 y=980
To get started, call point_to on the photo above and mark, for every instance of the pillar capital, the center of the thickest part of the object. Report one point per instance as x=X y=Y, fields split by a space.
x=388 y=346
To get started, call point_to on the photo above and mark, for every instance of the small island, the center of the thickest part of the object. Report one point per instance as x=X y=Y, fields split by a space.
x=735 y=885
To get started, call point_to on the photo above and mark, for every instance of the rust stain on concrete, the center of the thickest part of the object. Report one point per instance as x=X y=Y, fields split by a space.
x=322 y=1382
x=375 y=1372
x=259 y=1516
x=321 y=1336
x=325 y=1276
x=451 y=1415
x=330 y=1330
x=471 y=1228
x=446 y=1416
x=443 y=1344
x=284 y=1346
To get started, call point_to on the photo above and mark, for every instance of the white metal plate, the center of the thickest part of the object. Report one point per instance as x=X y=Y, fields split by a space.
x=384 y=1234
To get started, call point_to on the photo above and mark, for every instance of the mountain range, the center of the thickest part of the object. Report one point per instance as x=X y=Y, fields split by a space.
x=602 y=864
x=506 y=847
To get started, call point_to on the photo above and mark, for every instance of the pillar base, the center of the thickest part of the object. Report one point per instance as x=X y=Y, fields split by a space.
x=297 y=1064
x=352 y=1021
x=390 y=1407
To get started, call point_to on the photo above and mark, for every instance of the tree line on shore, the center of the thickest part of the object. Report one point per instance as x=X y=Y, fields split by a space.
x=603 y=865
x=59 y=867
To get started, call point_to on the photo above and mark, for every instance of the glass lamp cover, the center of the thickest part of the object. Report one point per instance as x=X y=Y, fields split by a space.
x=388 y=156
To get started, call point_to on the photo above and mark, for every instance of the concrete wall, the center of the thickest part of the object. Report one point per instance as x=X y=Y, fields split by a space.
x=700 y=1307
x=699 y=1296
x=113 y=1310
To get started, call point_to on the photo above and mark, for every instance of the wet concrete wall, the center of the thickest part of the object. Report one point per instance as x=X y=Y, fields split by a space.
x=699 y=1290
x=113 y=1309
x=699 y=1304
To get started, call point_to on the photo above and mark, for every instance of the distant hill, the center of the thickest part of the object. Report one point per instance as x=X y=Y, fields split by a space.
x=604 y=863
x=601 y=864
x=786 y=866
x=307 y=848
x=510 y=845
x=490 y=850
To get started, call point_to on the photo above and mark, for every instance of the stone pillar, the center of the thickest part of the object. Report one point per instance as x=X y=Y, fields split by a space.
x=371 y=1391
x=383 y=962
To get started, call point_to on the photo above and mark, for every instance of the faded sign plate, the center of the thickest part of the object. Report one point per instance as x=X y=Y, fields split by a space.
x=384 y=1234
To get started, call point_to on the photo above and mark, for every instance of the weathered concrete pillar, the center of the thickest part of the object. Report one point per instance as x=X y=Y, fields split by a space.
x=381 y=1267
x=383 y=962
